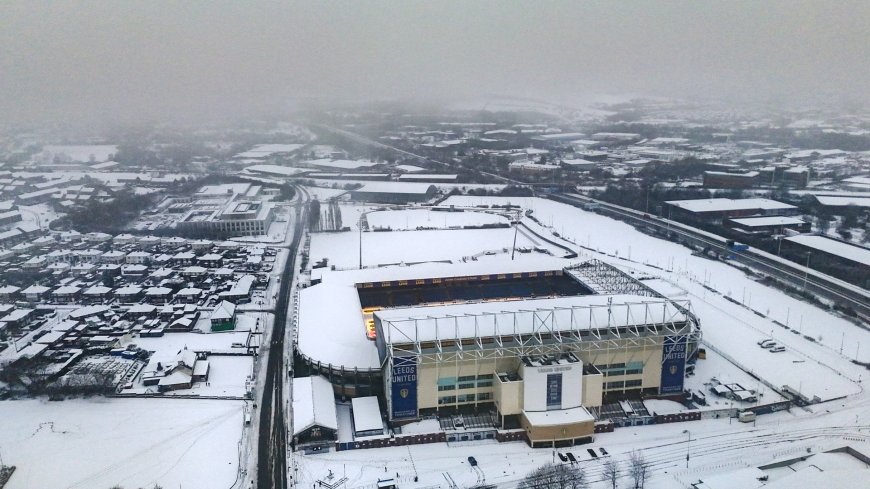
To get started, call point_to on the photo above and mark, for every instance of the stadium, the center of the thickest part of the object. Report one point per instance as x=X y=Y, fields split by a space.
x=544 y=347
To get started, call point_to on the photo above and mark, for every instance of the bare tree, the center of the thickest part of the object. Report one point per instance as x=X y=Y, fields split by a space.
x=612 y=472
x=638 y=469
x=552 y=476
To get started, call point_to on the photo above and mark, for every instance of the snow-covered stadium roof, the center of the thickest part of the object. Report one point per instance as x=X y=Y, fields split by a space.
x=524 y=317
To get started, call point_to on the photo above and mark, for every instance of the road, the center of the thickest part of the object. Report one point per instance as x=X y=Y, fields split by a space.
x=272 y=440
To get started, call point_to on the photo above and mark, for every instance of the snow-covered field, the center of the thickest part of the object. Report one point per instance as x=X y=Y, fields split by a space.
x=169 y=344
x=381 y=248
x=40 y=214
x=97 y=443
x=426 y=218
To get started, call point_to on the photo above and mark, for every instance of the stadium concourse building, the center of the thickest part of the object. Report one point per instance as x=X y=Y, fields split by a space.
x=540 y=344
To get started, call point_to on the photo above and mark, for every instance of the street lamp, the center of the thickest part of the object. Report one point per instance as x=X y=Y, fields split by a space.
x=807 y=269
x=688 y=443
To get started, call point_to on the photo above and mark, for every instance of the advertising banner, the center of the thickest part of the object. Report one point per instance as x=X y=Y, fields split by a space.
x=673 y=365
x=404 y=388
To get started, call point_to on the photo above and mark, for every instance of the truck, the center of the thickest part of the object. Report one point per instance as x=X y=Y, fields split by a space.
x=736 y=246
x=746 y=416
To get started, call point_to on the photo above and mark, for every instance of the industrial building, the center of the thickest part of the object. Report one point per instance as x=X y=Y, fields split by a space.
x=545 y=347
x=394 y=192
x=714 y=211
x=720 y=179
x=223 y=211
x=845 y=260
x=767 y=226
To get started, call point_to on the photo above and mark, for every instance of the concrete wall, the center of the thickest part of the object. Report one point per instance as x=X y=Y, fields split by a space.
x=535 y=385
x=593 y=390
x=508 y=397
x=558 y=432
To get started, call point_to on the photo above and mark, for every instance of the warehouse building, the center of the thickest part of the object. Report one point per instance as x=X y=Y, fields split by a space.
x=714 y=211
x=394 y=192
x=767 y=226
x=720 y=179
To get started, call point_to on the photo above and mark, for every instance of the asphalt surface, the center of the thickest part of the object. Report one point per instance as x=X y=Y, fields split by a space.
x=272 y=440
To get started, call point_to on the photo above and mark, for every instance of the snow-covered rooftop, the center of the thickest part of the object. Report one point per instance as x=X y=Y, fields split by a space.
x=723 y=204
x=768 y=221
x=558 y=417
x=366 y=414
x=313 y=404
x=854 y=253
x=332 y=308
x=396 y=188
x=429 y=323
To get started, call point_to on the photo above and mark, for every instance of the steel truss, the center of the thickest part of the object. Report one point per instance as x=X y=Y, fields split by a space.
x=605 y=279
x=574 y=329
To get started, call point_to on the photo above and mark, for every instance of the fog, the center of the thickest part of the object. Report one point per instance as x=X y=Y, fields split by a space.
x=129 y=61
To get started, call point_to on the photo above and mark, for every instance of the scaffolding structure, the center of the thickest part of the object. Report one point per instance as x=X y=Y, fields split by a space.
x=605 y=279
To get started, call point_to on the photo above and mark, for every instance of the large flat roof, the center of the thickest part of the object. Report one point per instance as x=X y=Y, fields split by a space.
x=558 y=417
x=850 y=252
x=842 y=201
x=723 y=204
x=396 y=188
x=366 y=414
x=768 y=221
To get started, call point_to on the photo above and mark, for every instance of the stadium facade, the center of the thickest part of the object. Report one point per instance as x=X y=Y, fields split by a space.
x=544 y=347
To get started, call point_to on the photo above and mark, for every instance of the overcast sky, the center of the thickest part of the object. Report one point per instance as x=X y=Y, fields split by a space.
x=128 y=60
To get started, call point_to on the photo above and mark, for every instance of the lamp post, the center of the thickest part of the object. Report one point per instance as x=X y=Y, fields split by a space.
x=688 y=443
x=807 y=269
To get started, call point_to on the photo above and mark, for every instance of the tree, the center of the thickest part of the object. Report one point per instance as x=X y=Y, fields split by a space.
x=286 y=192
x=638 y=469
x=611 y=472
x=552 y=476
x=314 y=214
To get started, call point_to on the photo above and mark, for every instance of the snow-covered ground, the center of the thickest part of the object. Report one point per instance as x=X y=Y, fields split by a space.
x=717 y=446
x=718 y=368
x=427 y=218
x=381 y=248
x=40 y=214
x=169 y=344
x=97 y=443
